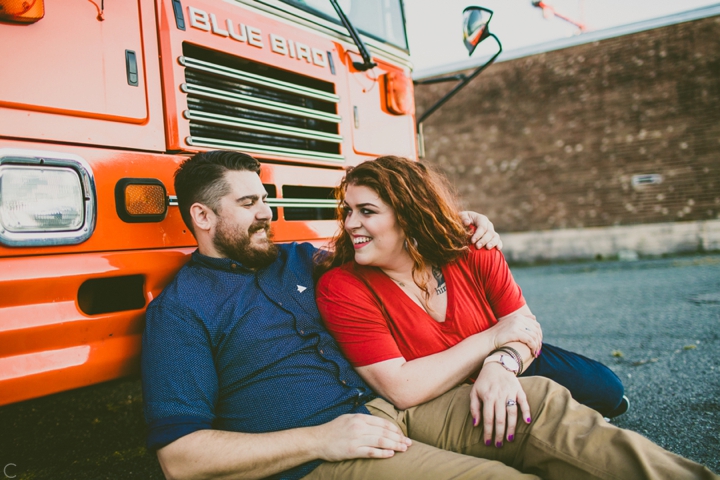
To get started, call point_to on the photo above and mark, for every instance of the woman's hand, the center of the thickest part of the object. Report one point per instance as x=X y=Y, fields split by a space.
x=518 y=327
x=493 y=388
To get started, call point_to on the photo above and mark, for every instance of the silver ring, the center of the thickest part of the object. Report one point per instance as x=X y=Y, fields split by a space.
x=511 y=403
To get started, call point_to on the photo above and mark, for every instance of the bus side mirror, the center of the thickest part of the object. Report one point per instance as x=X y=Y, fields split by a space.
x=475 y=30
x=475 y=26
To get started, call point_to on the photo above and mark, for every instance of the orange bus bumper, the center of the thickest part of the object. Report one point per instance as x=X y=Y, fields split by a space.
x=48 y=343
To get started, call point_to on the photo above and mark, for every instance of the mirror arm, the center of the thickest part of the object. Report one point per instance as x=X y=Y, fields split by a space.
x=459 y=86
x=460 y=76
x=367 y=62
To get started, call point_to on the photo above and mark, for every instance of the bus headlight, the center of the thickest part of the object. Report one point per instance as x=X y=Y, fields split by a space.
x=44 y=200
x=40 y=199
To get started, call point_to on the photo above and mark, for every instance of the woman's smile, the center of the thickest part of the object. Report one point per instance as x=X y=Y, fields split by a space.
x=359 y=241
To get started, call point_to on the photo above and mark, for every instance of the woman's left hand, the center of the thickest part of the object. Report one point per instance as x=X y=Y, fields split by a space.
x=485 y=234
x=500 y=395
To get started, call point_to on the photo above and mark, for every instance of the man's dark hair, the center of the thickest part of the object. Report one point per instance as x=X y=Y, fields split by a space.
x=201 y=179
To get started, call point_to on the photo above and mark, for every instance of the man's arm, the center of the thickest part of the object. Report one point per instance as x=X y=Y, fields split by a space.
x=219 y=454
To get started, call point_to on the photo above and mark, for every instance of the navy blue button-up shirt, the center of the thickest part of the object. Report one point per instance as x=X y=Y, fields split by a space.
x=232 y=349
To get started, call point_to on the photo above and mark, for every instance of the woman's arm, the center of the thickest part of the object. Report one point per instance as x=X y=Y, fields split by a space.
x=409 y=383
x=527 y=353
x=495 y=386
x=406 y=384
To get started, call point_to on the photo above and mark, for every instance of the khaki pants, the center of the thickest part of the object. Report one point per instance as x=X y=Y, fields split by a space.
x=565 y=440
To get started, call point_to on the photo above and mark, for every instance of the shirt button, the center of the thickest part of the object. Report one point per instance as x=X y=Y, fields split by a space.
x=343 y=382
x=280 y=303
x=302 y=332
x=322 y=353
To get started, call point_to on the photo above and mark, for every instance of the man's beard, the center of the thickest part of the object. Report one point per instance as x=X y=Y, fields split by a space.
x=238 y=246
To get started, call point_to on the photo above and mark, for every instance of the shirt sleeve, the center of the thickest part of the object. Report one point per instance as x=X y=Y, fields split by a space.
x=355 y=318
x=180 y=385
x=503 y=294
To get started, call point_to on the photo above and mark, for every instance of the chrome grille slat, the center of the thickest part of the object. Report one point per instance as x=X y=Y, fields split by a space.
x=236 y=111
x=261 y=139
x=261 y=149
x=216 y=119
x=215 y=94
x=227 y=72
x=301 y=202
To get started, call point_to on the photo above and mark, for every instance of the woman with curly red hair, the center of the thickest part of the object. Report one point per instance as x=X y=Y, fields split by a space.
x=418 y=312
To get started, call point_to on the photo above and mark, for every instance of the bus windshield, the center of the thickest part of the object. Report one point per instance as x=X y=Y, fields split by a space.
x=380 y=19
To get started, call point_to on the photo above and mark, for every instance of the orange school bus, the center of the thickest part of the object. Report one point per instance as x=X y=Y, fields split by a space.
x=99 y=103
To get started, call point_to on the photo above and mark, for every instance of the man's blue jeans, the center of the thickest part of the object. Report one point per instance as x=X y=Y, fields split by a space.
x=590 y=382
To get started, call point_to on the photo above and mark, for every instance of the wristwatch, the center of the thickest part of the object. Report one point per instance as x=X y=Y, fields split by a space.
x=508 y=362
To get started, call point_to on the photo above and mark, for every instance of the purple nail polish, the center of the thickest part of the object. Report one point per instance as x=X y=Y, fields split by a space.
x=488 y=443
x=529 y=419
x=511 y=438
x=539 y=352
x=498 y=444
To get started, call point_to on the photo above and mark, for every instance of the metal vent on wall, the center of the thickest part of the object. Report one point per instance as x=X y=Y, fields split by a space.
x=237 y=104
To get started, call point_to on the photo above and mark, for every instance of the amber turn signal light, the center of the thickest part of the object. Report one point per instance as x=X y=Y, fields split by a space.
x=22 y=11
x=141 y=200
x=399 y=93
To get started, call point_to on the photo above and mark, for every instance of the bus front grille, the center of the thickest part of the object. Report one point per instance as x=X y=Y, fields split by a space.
x=234 y=103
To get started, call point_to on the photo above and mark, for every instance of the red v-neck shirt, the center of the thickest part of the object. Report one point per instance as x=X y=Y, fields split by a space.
x=480 y=290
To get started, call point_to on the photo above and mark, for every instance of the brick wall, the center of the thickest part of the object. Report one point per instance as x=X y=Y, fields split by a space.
x=553 y=140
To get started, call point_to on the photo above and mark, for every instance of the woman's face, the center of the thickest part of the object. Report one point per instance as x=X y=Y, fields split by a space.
x=373 y=229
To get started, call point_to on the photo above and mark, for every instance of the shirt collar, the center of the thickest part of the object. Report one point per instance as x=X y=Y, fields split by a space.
x=225 y=264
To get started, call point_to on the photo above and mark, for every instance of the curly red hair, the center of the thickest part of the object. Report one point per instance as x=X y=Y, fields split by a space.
x=425 y=208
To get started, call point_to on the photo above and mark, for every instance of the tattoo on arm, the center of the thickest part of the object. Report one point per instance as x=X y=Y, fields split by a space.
x=441 y=286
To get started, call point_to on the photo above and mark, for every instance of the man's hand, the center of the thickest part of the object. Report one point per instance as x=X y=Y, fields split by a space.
x=492 y=390
x=361 y=436
x=485 y=234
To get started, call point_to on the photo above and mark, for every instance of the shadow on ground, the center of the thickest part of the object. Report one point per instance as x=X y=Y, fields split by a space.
x=91 y=433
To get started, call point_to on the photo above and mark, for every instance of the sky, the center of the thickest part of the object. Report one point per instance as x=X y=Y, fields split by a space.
x=434 y=27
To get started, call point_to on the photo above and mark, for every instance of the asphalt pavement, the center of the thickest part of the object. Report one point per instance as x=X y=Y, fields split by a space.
x=656 y=323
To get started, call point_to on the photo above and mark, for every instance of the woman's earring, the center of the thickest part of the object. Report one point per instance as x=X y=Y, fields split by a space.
x=414 y=243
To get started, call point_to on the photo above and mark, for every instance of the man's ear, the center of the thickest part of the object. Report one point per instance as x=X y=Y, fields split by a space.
x=202 y=216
